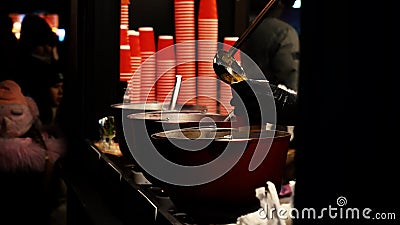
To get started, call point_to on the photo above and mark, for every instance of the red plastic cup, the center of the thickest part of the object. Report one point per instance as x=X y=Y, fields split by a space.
x=125 y=55
x=208 y=9
x=134 y=42
x=146 y=37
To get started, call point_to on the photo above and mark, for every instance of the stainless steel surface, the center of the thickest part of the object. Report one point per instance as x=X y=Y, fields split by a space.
x=140 y=107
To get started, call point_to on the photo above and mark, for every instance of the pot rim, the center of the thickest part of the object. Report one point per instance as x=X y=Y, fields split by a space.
x=278 y=134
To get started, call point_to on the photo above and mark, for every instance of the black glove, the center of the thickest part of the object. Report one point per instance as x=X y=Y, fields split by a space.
x=262 y=102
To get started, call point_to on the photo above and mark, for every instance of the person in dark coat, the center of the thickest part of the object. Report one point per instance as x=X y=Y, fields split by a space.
x=274 y=46
x=37 y=52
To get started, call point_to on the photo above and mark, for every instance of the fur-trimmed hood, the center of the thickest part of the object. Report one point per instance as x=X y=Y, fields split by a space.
x=24 y=155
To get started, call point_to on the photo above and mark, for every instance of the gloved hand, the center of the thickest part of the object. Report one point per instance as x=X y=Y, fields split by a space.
x=262 y=103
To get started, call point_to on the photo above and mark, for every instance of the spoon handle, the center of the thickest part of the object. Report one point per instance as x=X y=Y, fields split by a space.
x=175 y=93
x=229 y=116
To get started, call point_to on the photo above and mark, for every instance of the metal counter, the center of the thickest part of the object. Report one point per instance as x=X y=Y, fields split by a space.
x=102 y=190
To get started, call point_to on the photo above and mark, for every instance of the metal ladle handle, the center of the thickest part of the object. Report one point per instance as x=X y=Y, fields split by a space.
x=225 y=65
x=251 y=28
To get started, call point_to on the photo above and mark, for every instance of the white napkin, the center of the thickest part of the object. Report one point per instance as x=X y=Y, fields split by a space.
x=268 y=199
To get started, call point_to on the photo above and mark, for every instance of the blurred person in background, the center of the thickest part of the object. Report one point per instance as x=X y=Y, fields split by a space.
x=40 y=74
x=37 y=54
x=48 y=95
x=274 y=45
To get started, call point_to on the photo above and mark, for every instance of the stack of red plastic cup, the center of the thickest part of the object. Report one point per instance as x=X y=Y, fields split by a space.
x=125 y=62
x=125 y=67
x=207 y=48
x=124 y=20
x=148 y=66
x=185 y=35
x=166 y=69
x=124 y=72
x=225 y=90
x=136 y=60
x=123 y=37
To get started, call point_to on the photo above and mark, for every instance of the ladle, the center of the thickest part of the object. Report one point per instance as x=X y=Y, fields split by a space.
x=225 y=65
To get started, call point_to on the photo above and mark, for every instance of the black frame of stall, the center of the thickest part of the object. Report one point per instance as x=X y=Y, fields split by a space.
x=334 y=36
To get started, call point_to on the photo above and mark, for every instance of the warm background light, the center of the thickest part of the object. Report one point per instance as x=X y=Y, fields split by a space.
x=51 y=19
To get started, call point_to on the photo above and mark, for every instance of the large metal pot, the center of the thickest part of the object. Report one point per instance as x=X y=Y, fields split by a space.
x=122 y=110
x=169 y=120
x=224 y=199
x=139 y=127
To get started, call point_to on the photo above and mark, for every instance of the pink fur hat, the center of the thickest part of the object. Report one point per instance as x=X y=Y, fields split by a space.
x=10 y=92
x=17 y=112
x=17 y=115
